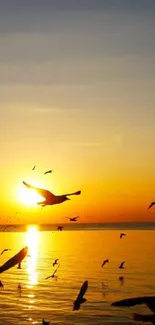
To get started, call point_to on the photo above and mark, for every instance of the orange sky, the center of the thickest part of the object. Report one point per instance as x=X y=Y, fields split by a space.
x=77 y=96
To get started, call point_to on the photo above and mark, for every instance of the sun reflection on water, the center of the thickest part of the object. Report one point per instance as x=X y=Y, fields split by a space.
x=32 y=241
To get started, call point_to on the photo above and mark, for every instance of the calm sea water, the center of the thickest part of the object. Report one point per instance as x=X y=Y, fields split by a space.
x=80 y=254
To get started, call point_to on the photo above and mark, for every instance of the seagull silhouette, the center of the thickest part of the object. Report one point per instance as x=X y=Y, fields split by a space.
x=122 y=265
x=50 y=199
x=48 y=172
x=56 y=262
x=104 y=262
x=121 y=235
x=45 y=323
x=80 y=300
x=16 y=259
x=53 y=275
x=149 y=301
x=34 y=168
x=72 y=219
x=60 y=228
x=5 y=250
x=151 y=205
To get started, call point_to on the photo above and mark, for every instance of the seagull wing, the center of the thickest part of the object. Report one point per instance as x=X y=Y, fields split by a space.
x=48 y=277
x=74 y=193
x=151 y=204
x=149 y=301
x=2 y=251
x=83 y=289
x=44 y=193
x=55 y=270
x=144 y=318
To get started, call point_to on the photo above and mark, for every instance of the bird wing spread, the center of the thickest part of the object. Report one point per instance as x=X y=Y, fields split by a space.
x=149 y=301
x=83 y=289
x=44 y=193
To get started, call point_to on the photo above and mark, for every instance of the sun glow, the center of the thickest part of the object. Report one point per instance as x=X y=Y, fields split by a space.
x=28 y=196
x=32 y=240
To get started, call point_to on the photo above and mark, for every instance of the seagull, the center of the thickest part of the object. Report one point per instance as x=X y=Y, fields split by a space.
x=60 y=228
x=104 y=262
x=50 y=199
x=72 y=219
x=151 y=204
x=121 y=265
x=56 y=262
x=34 y=168
x=121 y=279
x=8 y=226
x=5 y=250
x=80 y=300
x=53 y=275
x=48 y=172
x=149 y=301
x=16 y=259
x=45 y=323
x=122 y=234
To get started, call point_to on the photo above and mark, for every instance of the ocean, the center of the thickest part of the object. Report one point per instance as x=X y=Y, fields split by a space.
x=27 y=297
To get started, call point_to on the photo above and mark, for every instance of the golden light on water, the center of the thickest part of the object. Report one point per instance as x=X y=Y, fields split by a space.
x=28 y=196
x=32 y=241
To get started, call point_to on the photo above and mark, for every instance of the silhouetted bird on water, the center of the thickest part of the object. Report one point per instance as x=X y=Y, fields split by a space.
x=121 y=279
x=149 y=301
x=121 y=265
x=151 y=205
x=60 y=228
x=48 y=172
x=56 y=262
x=50 y=199
x=80 y=300
x=72 y=219
x=5 y=250
x=53 y=275
x=121 y=235
x=45 y=323
x=104 y=262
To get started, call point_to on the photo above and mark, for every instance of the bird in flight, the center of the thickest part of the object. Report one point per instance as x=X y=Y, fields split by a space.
x=72 y=219
x=45 y=323
x=34 y=168
x=104 y=262
x=60 y=228
x=122 y=265
x=16 y=259
x=49 y=198
x=56 y=262
x=53 y=275
x=8 y=226
x=151 y=205
x=80 y=300
x=48 y=172
x=149 y=301
x=5 y=250
x=121 y=235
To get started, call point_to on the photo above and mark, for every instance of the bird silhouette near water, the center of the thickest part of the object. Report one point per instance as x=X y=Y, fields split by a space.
x=72 y=219
x=149 y=301
x=5 y=250
x=48 y=172
x=122 y=265
x=121 y=235
x=53 y=275
x=104 y=262
x=34 y=168
x=80 y=300
x=50 y=198
x=151 y=205
x=56 y=262
x=45 y=323
x=60 y=228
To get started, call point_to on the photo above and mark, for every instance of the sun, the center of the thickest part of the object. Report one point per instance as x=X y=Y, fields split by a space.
x=28 y=196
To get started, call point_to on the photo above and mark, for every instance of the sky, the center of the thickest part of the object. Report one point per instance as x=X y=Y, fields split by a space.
x=77 y=82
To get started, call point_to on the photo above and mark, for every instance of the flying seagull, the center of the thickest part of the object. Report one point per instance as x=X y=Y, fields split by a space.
x=16 y=259
x=73 y=219
x=80 y=300
x=149 y=301
x=56 y=262
x=50 y=199
x=104 y=262
x=121 y=235
x=60 y=228
x=34 y=168
x=53 y=275
x=122 y=265
x=5 y=250
x=151 y=205
x=48 y=172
